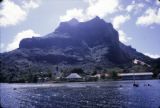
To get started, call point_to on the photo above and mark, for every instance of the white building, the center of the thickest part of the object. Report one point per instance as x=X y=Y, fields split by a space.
x=74 y=77
x=130 y=76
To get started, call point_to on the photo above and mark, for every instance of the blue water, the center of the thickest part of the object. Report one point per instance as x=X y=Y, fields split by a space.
x=82 y=95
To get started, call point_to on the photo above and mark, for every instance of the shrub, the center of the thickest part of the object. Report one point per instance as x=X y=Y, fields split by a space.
x=103 y=76
x=113 y=75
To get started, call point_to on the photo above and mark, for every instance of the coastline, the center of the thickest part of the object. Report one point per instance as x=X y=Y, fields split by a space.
x=64 y=82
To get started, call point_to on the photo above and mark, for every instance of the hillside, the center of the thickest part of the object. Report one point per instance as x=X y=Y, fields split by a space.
x=86 y=45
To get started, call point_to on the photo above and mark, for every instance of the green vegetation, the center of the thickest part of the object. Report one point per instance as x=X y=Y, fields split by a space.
x=94 y=72
x=35 y=74
x=113 y=75
x=103 y=76
x=156 y=70
x=78 y=71
x=29 y=74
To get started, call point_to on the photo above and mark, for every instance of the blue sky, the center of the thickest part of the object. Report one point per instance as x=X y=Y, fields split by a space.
x=137 y=21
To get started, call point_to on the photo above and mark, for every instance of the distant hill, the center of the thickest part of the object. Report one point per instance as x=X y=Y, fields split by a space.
x=72 y=44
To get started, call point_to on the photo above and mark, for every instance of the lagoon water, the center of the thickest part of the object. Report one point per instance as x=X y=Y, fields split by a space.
x=111 y=94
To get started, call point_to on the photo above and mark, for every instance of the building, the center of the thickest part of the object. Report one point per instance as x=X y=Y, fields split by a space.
x=136 y=76
x=101 y=75
x=74 y=77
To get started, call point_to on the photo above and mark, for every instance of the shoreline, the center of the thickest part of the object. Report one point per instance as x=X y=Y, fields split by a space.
x=63 y=82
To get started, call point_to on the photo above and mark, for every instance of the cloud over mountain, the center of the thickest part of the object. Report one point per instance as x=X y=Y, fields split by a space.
x=119 y=20
x=152 y=55
x=99 y=8
x=24 y=34
x=12 y=13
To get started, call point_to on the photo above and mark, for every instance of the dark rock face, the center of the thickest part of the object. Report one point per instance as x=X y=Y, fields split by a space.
x=93 y=32
x=94 y=42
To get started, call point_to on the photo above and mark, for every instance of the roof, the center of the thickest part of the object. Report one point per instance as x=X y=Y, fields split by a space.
x=98 y=75
x=140 y=62
x=131 y=74
x=73 y=75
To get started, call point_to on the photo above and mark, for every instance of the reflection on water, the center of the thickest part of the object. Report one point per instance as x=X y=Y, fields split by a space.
x=114 y=94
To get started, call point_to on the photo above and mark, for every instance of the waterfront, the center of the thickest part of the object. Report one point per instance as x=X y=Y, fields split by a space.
x=111 y=94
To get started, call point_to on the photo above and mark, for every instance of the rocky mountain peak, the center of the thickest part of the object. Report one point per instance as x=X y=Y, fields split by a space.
x=73 y=22
x=73 y=44
x=90 y=43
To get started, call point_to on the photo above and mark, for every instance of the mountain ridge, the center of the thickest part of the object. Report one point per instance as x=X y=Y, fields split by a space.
x=73 y=43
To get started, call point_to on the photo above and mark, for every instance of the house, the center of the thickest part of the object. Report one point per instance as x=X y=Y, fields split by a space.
x=100 y=76
x=137 y=76
x=40 y=79
x=140 y=62
x=46 y=78
x=90 y=78
x=74 y=77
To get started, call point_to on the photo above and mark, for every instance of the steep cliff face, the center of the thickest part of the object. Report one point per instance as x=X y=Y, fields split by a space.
x=93 y=32
x=86 y=44
x=91 y=41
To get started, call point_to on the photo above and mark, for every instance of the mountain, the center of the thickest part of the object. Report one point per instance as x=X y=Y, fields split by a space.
x=73 y=44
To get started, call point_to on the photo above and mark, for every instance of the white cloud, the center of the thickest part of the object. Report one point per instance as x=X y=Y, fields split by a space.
x=1 y=47
x=158 y=2
x=118 y=20
x=12 y=13
x=24 y=34
x=147 y=0
x=134 y=6
x=31 y=4
x=102 y=8
x=151 y=16
x=123 y=37
x=152 y=55
x=99 y=8
x=73 y=13
x=130 y=8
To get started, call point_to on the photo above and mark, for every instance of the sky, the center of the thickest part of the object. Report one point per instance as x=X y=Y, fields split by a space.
x=137 y=21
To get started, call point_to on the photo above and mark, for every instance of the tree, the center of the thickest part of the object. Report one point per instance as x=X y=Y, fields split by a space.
x=113 y=75
x=156 y=70
x=48 y=73
x=78 y=71
x=125 y=70
x=57 y=68
x=94 y=72
x=103 y=76
x=98 y=68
